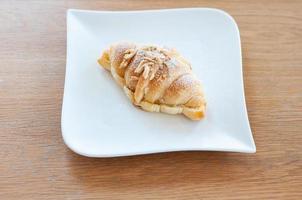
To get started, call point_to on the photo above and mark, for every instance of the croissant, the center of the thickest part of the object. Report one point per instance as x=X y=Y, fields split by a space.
x=156 y=79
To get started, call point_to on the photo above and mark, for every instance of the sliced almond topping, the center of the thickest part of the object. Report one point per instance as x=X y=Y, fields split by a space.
x=152 y=76
x=129 y=53
x=146 y=72
x=140 y=67
x=124 y=64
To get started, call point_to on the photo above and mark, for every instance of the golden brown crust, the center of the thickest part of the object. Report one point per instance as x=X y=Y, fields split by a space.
x=156 y=79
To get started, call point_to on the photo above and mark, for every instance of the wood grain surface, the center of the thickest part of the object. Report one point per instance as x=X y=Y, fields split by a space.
x=35 y=163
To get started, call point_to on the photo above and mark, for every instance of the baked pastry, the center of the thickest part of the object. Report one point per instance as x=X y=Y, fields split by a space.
x=155 y=79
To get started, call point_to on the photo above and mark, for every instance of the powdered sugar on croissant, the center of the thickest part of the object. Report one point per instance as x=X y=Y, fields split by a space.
x=156 y=79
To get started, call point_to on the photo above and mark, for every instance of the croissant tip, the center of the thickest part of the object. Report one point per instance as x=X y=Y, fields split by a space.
x=195 y=114
x=104 y=60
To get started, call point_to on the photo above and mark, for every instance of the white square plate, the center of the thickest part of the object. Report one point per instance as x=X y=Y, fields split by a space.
x=99 y=121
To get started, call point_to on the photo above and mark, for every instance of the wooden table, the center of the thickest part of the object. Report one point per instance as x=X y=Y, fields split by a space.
x=35 y=163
